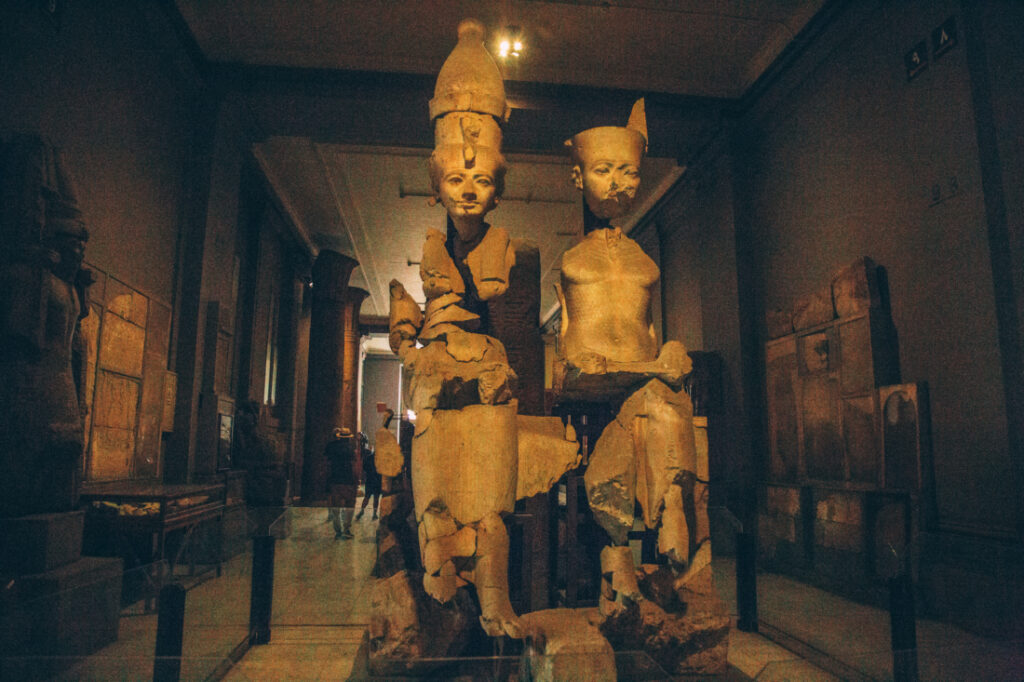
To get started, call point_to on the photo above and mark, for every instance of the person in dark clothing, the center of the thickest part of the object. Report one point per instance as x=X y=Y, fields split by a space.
x=340 y=453
x=371 y=484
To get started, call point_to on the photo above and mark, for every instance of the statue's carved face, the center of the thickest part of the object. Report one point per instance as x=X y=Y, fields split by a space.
x=609 y=184
x=468 y=194
x=70 y=249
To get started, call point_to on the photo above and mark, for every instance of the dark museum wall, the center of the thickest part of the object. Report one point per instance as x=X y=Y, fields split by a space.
x=838 y=155
x=158 y=158
x=110 y=86
x=846 y=164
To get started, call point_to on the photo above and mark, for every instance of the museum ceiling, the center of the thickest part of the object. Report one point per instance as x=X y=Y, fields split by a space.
x=347 y=155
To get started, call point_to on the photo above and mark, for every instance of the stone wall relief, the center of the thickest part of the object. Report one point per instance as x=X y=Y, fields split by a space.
x=849 y=477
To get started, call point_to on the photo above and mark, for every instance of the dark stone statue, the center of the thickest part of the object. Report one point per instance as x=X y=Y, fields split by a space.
x=43 y=290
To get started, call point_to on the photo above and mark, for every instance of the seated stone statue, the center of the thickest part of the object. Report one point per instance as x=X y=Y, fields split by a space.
x=608 y=351
x=464 y=452
x=607 y=280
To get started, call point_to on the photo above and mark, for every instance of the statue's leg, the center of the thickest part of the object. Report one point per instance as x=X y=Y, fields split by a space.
x=491 y=579
x=618 y=579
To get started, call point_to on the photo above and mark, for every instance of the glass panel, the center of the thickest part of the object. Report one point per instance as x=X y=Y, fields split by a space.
x=217 y=598
x=320 y=578
x=99 y=624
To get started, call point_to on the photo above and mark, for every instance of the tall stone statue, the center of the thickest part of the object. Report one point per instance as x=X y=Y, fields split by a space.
x=608 y=351
x=42 y=299
x=464 y=453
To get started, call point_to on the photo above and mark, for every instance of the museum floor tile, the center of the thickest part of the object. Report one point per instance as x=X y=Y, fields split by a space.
x=321 y=609
x=853 y=639
x=307 y=645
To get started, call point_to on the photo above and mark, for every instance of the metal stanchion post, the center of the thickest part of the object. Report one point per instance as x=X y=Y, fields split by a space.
x=170 y=630
x=746 y=582
x=903 y=628
x=262 y=595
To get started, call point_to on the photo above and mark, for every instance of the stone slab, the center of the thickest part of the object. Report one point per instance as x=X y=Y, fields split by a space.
x=40 y=542
x=566 y=645
x=49 y=618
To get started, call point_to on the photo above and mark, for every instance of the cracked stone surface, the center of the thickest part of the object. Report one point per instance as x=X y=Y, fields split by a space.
x=407 y=625
x=564 y=645
x=640 y=455
x=685 y=628
x=547 y=449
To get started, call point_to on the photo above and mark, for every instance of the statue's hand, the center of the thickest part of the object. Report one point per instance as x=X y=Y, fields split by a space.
x=405 y=319
x=590 y=362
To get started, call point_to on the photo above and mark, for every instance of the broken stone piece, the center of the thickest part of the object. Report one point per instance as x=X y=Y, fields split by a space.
x=564 y=646
x=490 y=263
x=441 y=587
x=491 y=579
x=693 y=641
x=388 y=455
x=674 y=536
x=481 y=479
x=592 y=377
x=446 y=321
x=547 y=449
x=438 y=551
x=437 y=269
x=857 y=288
x=464 y=369
x=406 y=626
x=405 y=318
x=648 y=446
x=618 y=579
x=610 y=481
x=814 y=309
x=437 y=522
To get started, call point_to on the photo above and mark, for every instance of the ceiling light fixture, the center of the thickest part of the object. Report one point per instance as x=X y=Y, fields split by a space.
x=511 y=44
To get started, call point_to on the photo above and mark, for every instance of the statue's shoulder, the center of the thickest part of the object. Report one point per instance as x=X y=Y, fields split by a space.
x=580 y=258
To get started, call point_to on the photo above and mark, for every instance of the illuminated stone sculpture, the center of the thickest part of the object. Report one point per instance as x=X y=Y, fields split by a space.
x=608 y=352
x=42 y=298
x=465 y=453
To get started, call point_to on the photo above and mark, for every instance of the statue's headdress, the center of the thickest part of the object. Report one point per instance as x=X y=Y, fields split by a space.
x=634 y=135
x=469 y=106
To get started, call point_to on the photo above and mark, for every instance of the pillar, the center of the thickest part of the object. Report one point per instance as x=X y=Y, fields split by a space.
x=350 y=376
x=331 y=272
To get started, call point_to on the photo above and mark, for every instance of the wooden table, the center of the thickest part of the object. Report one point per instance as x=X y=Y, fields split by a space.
x=127 y=509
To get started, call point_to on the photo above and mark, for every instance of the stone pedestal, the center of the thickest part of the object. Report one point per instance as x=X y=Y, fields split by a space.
x=40 y=542
x=54 y=605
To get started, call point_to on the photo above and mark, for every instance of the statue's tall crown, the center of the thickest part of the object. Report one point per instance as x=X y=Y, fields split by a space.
x=470 y=79
x=634 y=135
x=469 y=104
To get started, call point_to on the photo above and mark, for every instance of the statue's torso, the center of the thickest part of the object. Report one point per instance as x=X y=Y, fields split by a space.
x=607 y=281
x=39 y=393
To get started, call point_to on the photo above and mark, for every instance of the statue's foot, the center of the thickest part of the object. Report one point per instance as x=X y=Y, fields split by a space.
x=497 y=617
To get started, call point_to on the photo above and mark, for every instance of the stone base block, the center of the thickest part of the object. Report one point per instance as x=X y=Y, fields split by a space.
x=40 y=542
x=564 y=644
x=47 y=619
x=412 y=634
x=682 y=625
